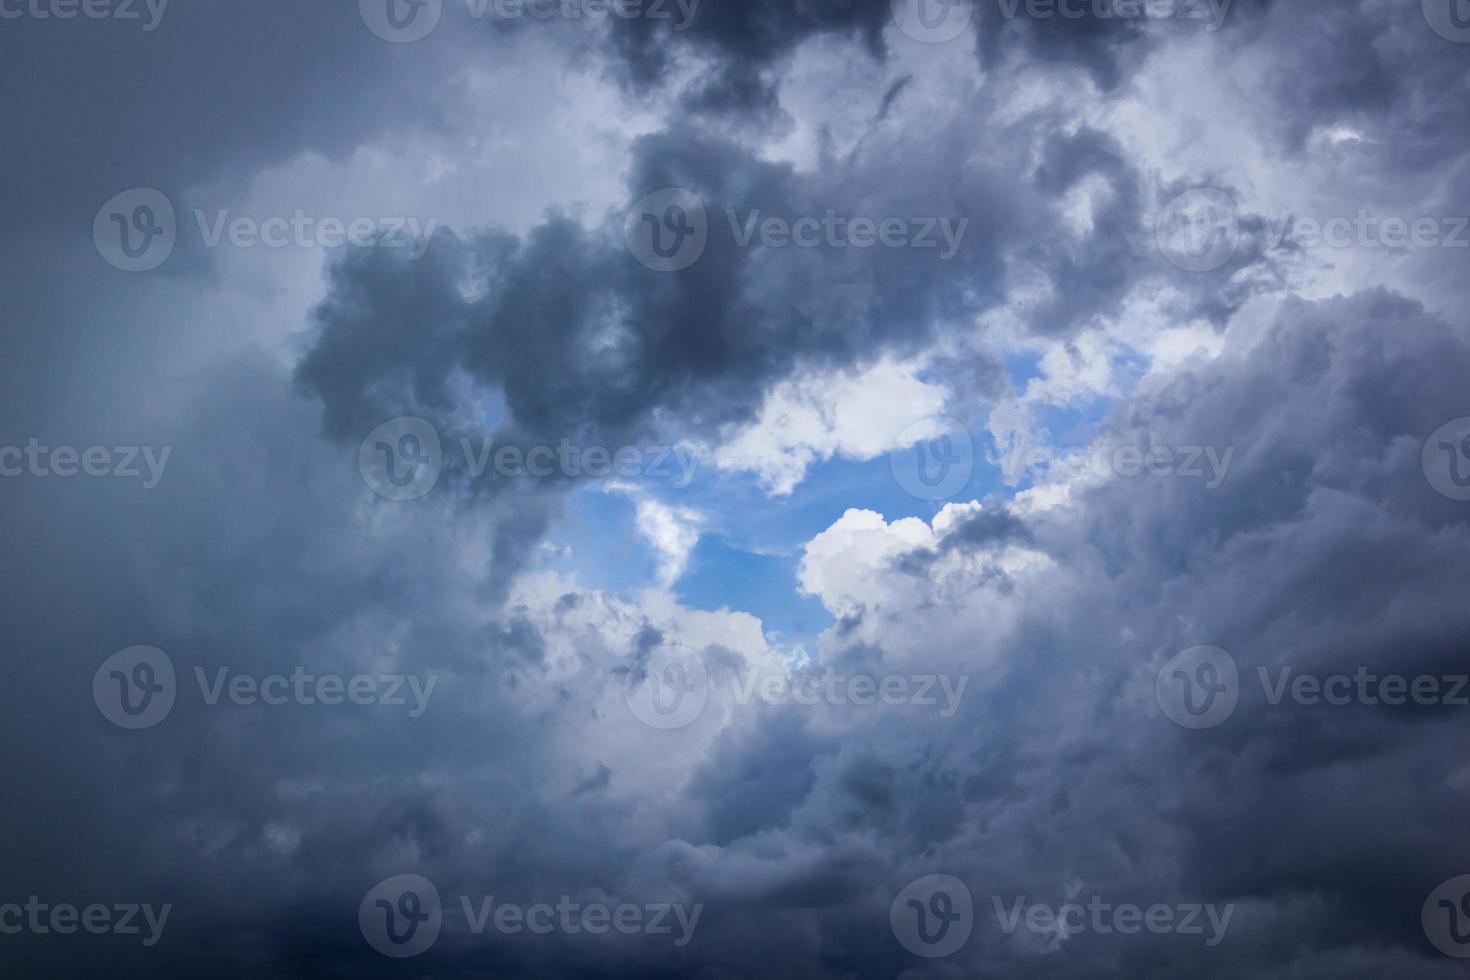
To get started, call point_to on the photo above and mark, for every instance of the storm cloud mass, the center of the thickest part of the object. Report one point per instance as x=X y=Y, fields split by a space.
x=730 y=489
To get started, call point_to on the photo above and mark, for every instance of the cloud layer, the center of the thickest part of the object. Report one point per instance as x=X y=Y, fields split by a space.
x=993 y=700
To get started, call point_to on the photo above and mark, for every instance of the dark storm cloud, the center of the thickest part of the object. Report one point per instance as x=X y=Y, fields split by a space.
x=1305 y=557
x=587 y=342
x=744 y=42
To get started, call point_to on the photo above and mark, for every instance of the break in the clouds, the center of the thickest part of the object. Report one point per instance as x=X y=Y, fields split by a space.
x=833 y=489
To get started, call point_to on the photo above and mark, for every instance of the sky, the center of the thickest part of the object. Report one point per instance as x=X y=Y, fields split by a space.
x=718 y=489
